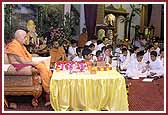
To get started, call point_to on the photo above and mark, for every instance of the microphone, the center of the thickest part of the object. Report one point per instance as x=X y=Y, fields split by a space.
x=148 y=62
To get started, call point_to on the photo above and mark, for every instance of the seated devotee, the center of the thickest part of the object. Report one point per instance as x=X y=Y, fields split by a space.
x=136 y=42
x=83 y=38
x=103 y=49
x=99 y=55
x=79 y=57
x=147 y=58
x=124 y=45
x=93 y=40
x=107 y=56
x=110 y=48
x=106 y=41
x=65 y=45
x=161 y=57
x=18 y=54
x=140 y=42
x=100 y=44
x=72 y=50
x=117 y=51
x=98 y=59
x=156 y=47
x=124 y=59
x=143 y=41
x=137 y=68
x=42 y=49
x=155 y=66
x=57 y=53
x=133 y=55
x=92 y=48
x=87 y=54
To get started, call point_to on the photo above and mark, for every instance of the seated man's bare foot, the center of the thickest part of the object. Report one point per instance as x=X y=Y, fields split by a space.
x=47 y=103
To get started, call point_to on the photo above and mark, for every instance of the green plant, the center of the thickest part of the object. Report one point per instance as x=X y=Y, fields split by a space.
x=8 y=22
x=52 y=16
x=49 y=16
x=69 y=23
x=134 y=11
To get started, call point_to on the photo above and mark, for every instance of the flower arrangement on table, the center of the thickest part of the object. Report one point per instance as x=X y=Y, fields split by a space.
x=71 y=66
x=78 y=67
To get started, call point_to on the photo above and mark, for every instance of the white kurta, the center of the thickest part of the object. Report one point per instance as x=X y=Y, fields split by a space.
x=88 y=43
x=107 y=60
x=158 y=51
x=156 y=67
x=147 y=57
x=162 y=60
x=117 y=51
x=124 y=61
x=94 y=59
x=94 y=52
x=71 y=51
x=135 y=69
x=99 y=47
x=133 y=56
x=78 y=59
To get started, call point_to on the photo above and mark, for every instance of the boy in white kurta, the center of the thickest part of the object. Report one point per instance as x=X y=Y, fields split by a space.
x=124 y=59
x=161 y=57
x=133 y=56
x=72 y=50
x=147 y=54
x=155 y=66
x=137 y=68
x=79 y=56
x=156 y=47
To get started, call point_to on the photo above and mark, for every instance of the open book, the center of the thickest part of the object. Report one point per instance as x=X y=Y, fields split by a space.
x=148 y=79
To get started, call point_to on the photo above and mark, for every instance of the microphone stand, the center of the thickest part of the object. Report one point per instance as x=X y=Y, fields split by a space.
x=118 y=63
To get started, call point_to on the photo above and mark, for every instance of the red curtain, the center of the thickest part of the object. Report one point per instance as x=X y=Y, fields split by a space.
x=149 y=13
x=90 y=18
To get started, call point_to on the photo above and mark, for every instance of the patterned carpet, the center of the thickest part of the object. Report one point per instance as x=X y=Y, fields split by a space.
x=146 y=96
x=143 y=96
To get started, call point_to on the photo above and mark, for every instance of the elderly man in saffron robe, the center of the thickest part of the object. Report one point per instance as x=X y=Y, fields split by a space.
x=18 y=54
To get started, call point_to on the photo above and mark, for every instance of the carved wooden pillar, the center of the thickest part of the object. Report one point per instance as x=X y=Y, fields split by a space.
x=144 y=17
x=37 y=89
x=100 y=14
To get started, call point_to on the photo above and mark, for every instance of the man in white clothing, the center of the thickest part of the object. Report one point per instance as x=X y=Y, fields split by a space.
x=124 y=59
x=147 y=57
x=161 y=57
x=137 y=68
x=72 y=50
x=133 y=56
x=79 y=57
x=100 y=44
x=155 y=66
x=156 y=47
x=92 y=48
x=87 y=54
x=93 y=40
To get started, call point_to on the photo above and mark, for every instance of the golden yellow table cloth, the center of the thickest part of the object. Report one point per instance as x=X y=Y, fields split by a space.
x=105 y=90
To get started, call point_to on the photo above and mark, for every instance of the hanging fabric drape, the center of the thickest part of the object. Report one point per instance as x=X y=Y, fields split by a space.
x=149 y=13
x=156 y=18
x=82 y=18
x=90 y=18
